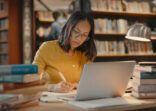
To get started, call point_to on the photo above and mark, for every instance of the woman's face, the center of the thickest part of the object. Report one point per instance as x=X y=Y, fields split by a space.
x=79 y=34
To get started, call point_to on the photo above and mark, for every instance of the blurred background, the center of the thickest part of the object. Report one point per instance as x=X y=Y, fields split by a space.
x=26 y=24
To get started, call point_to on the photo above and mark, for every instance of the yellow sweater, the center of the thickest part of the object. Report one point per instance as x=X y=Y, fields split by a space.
x=51 y=58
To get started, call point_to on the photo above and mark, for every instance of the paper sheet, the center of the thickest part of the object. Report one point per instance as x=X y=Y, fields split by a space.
x=56 y=97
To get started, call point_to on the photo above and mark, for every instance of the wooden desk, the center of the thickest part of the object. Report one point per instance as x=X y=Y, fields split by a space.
x=146 y=103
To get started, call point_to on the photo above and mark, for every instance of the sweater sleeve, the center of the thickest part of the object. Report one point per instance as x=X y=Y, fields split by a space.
x=40 y=60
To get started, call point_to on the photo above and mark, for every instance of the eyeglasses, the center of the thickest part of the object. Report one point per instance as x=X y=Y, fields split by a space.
x=76 y=34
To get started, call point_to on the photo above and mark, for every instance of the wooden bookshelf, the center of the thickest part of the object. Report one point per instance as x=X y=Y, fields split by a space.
x=104 y=15
x=109 y=34
x=119 y=35
x=3 y=53
x=153 y=37
x=3 y=29
x=126 y=14
x=43 y=21
x=10 y=32
x=3 y=41
x=128 y=55
x=3 y=15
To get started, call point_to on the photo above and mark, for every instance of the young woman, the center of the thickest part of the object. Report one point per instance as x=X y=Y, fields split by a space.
x=63 y=59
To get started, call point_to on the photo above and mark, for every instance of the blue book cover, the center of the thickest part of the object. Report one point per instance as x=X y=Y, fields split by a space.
x=18 y=69
x=146 y=75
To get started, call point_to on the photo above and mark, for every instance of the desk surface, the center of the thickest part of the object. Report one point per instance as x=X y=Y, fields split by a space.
x=61 y=106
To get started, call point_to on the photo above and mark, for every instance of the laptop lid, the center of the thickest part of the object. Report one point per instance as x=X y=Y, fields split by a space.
x=104 y=79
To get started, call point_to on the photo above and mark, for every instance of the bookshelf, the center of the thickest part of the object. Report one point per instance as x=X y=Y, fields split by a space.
x=126 y=14
x=10 y=32
x=112 y=20
x=43 y=21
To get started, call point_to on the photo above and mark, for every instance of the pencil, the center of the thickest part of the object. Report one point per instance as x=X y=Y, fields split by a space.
x=62 y=76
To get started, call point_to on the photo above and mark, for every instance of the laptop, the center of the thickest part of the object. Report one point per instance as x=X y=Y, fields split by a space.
x=104 y=80
x=98 y=80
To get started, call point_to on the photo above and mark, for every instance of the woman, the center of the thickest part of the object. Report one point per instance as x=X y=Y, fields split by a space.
x=67 y=55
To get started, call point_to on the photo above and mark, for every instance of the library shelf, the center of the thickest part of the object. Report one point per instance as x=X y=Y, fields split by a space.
x=124 y=13
x=3 y=15
x=127 y=55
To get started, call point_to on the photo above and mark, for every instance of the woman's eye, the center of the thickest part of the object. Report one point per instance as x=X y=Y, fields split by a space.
x=85 y=35
x=76 y=31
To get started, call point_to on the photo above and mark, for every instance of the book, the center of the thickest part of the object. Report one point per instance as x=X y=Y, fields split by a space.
x=147 y=63
x=19 y=78
x=146 y=68
x=144 y=88
x=18 y=69
x=144 y=75
x=8 y=97
x=144 y=81
x=4 y=87
x=144 y=95
x=19 y=101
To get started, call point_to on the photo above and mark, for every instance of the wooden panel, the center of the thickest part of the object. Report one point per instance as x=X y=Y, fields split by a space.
x=15 y=31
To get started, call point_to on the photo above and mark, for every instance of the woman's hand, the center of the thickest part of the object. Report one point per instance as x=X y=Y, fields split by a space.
x=62 y=87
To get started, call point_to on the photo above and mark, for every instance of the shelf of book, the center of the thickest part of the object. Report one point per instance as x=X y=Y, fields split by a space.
x=109 y=34
x=3 y=15
x=3 y=29
x=42 y=27
x=127 y=55
x=116 y=35
x=127 y=14
x=112 y=20
x=10 y=34
x=3 y=53
x=153 y=38
x=3 y=41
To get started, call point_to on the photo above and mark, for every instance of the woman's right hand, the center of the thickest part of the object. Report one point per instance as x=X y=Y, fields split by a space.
x=62 y=87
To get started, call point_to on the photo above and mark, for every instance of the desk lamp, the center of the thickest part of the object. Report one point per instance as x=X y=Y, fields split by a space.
x=139 y=32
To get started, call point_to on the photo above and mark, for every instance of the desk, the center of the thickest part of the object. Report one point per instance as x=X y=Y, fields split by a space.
x=147 y=103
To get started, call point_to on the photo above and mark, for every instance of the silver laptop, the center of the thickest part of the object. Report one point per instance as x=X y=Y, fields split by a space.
x=104 y=79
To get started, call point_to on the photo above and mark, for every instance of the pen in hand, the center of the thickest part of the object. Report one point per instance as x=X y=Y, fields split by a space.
x=62 y=87
x=62 y=76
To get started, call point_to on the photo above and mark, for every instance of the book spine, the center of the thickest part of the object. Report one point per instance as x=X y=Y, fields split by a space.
x=146 y=88
x=147 y=76
x=1 y=87
x=18 y=69
x=144 y=75
x=144 y=81
x=151 y=69
x=144 y=95
x=18 y=78
x=14 y=78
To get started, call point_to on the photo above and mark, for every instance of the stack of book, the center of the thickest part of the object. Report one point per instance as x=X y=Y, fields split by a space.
x=21 y=74
x=10 y=102
x=144 y=80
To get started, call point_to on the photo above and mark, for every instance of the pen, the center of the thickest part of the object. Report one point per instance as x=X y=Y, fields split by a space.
x=62 y=76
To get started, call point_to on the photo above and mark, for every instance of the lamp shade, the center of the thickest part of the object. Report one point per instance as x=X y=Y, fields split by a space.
x=139 y=32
